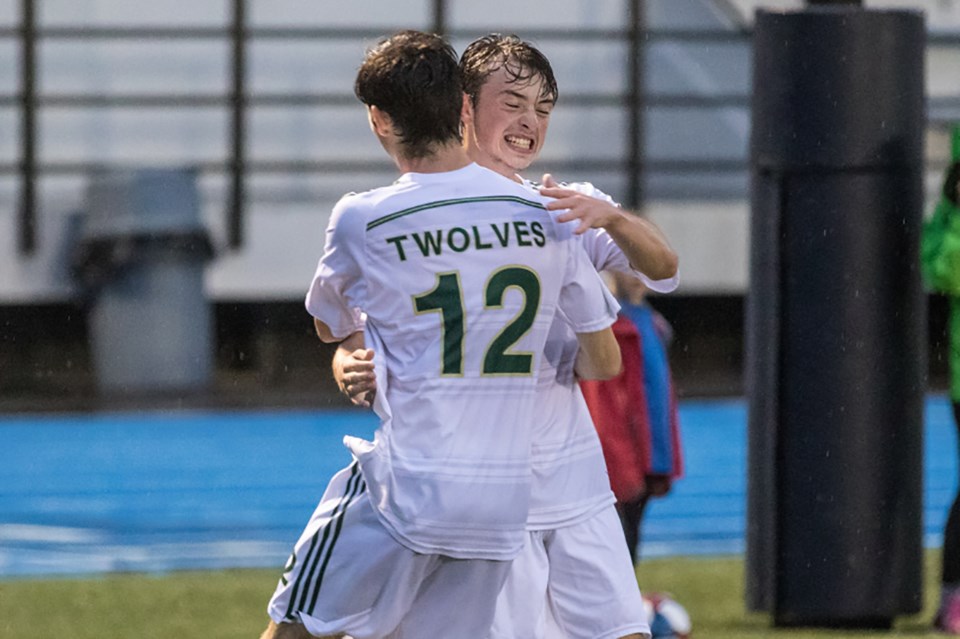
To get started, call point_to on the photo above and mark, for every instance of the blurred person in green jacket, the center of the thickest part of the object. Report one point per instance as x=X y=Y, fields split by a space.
x=940 y=260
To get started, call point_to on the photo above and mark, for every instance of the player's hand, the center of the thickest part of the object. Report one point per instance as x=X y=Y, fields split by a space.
x=357 y=380
x=591 y=212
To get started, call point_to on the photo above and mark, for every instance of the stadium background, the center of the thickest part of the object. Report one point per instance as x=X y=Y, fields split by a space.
x=112 y=85
x=266 y=113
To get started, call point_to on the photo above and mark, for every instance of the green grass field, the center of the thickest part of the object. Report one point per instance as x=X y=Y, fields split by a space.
x=231 y=604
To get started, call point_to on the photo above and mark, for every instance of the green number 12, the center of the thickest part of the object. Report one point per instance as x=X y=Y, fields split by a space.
x=446 y=298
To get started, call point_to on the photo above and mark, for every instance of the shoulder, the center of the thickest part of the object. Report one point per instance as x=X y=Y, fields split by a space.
x=492 y=178
x=372 y=201
x=523 y=191
x=351 y=203
x=352 y=211
x=368 y=199
x=588 y=189
x=584 y=188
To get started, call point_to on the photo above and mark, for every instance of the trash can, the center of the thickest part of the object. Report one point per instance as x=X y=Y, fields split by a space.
x=140 y=257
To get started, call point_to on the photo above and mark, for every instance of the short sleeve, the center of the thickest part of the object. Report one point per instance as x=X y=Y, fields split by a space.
x=604 y=252
x=336 y=293
x=585 y=301
x=605 y=255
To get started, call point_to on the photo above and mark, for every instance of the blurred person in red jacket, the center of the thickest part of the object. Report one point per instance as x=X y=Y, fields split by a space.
x=635 y=413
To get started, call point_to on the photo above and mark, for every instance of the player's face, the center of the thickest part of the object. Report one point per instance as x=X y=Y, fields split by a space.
x=506 y=128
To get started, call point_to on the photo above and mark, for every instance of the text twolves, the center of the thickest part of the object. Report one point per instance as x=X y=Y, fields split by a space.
x=459 y=239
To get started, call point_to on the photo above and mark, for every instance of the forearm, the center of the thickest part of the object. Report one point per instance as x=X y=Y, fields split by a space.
x=644 y=245
x=640 y=240
x=598 y=356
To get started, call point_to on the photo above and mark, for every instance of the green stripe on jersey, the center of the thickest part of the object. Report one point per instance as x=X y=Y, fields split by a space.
x=433 y=205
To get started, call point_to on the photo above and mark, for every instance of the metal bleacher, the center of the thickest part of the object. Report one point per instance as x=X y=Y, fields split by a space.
x=256 y=95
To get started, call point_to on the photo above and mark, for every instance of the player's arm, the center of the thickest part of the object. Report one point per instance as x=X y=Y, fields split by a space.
x=333 y=298
x=641 y=241
x=324 y=332
x=599 y=355
x=590 y=310
x=643 y=244
x=353 y=370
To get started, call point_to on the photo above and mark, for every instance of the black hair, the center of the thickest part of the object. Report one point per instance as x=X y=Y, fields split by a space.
x=414 y=77
x=522 y=61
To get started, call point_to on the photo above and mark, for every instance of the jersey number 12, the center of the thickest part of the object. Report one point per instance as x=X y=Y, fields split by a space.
x=446 y=298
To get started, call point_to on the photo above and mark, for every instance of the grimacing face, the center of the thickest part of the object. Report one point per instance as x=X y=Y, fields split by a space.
x=506 y=128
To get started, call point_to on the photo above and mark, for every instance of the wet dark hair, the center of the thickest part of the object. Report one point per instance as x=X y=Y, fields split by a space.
x=414 y=77
x=522 y=61
x=950 y=182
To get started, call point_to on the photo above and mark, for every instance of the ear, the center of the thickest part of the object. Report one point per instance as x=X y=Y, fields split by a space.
x=466 y=110
x=380 y=121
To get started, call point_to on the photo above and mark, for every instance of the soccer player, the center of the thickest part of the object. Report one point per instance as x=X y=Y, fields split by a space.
x=575 y=574
x=460 y=273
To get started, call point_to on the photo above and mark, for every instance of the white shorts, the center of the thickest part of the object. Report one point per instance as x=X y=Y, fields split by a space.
x=347 y=574
x=575 y=582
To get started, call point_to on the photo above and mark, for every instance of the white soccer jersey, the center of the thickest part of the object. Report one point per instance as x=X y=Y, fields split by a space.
x=460 y=275
x=570 y=481
x=603 y=251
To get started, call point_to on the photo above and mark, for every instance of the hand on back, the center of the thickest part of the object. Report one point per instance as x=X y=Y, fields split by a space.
x=591 y=212
x=356 y=379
